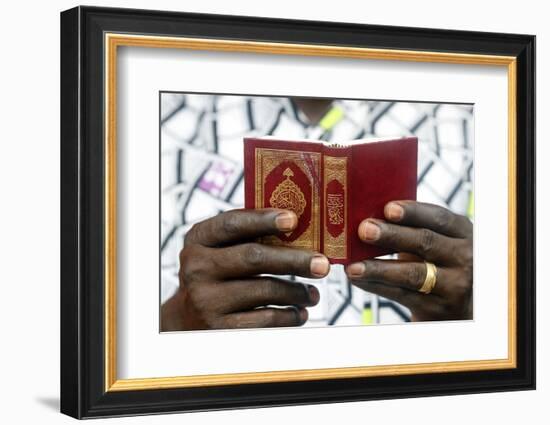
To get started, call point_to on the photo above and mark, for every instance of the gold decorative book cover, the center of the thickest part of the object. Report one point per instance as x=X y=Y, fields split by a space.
x=331 y=188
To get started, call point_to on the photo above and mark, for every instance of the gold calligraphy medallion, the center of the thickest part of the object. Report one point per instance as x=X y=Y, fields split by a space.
x=288 y=196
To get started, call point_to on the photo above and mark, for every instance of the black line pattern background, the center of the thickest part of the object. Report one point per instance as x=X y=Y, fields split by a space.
x=202 y=171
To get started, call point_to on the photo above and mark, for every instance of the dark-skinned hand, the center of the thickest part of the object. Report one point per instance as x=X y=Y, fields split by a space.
x=419 y=232
x=220 y=268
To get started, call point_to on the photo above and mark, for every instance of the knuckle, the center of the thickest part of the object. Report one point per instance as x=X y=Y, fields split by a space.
x=192 y=264
x=426 y=241
x=231 y=223
x=377 y=270
x=205 y=296
x=416 y=276
x=388 y=232
x=254 y=254
x=269 y=317
x=195 y=294
x=268 y=289
x=372 y=270
x=457 y=301
x=442 y=218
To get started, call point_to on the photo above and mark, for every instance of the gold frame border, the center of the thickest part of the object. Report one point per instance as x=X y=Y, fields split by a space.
x=113 y=41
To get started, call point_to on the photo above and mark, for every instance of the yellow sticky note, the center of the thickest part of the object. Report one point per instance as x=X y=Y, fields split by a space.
x=470 y=212
x=367 y=316
x=331 y=118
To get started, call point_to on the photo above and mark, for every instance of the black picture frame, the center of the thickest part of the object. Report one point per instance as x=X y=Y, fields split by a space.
x=83 y=392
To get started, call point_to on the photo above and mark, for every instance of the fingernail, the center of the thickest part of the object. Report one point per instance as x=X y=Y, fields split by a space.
x=355 y=270
x=303 y=315
x=319 y=266
x=368 y=231
x=314 y=295
x=394 y=212
x=286 y=221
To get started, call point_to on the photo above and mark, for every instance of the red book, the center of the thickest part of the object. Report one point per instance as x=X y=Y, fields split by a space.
x=330 y=187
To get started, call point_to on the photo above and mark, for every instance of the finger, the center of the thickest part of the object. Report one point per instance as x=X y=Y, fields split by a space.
x=266 y=318
x=407 y=275
x=405 y=256
x=429 y=216
x=240 y=225
x=394 y=293
x=426 y=243
x=251 y=259
x=249 y=294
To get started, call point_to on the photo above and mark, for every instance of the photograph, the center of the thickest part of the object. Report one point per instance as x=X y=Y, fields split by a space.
x=357 y=212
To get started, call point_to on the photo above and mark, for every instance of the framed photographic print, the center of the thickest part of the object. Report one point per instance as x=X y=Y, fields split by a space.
x=261 y=212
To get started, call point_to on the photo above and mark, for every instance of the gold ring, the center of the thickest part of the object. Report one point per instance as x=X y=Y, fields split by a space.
x=431 y=278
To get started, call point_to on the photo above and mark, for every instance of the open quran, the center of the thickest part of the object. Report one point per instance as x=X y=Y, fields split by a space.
x=330 y=187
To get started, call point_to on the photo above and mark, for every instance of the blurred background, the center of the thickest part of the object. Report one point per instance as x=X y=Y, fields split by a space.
x=202 y=172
